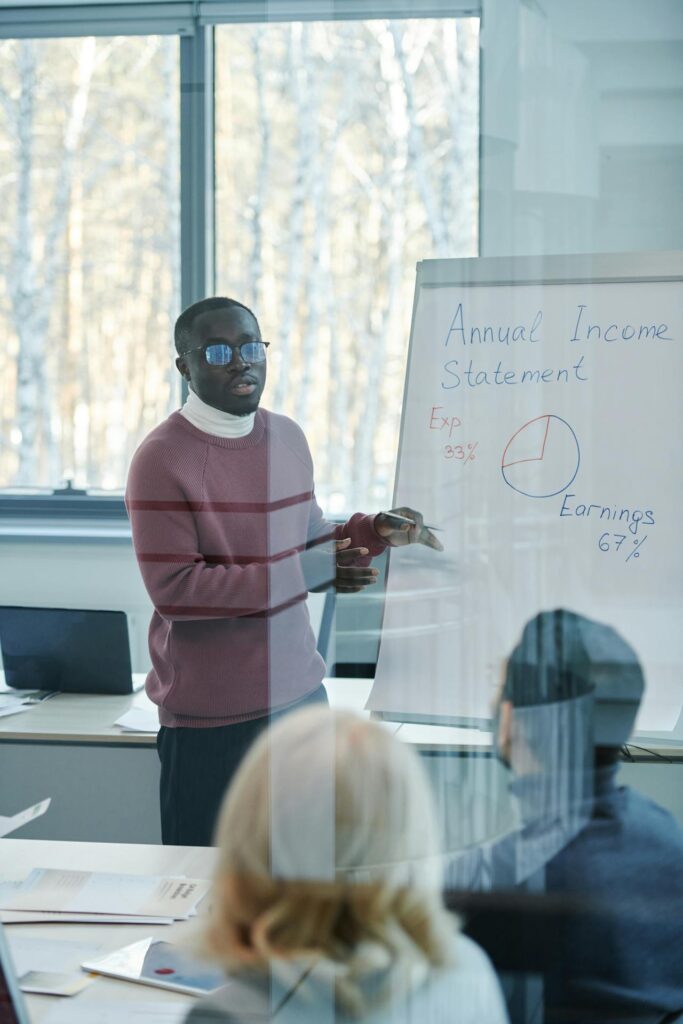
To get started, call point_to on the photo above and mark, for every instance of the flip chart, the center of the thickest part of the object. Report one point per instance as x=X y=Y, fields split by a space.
x=541 y=430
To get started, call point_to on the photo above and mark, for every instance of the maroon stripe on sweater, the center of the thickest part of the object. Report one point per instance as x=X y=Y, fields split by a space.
x=211 y=612
x=171 y=558
x=219 y=506
x=168 y=558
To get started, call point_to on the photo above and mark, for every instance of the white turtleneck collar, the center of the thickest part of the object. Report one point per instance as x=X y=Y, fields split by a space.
x=214 y=421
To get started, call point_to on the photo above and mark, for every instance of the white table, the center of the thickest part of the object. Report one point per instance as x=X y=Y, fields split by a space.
x=76 y=718
x=19 y=856
x=89 y=719
x=104 y=781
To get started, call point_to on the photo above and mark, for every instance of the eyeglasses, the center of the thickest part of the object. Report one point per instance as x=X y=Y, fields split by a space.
x=219 y=353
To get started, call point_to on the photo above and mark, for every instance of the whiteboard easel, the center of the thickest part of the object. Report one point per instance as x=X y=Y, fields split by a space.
x=541 y=429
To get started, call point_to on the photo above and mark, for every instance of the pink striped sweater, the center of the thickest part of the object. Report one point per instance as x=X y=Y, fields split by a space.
x=227 y=533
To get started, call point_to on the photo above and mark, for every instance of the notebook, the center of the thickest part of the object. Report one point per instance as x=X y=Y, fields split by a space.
x=161 y=964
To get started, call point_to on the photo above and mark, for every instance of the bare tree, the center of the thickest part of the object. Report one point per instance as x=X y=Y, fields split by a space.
x=259 y=197
x=33 y=278
x=299 y=67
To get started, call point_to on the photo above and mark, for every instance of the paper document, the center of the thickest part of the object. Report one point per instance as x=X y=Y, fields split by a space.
x=93 y=892
x=8 y=697
x=13 y=702
x=11 y=824
x=173 y=1010
x=15 y=708
x=139 y=720
x=55 y=917
x=160 y=964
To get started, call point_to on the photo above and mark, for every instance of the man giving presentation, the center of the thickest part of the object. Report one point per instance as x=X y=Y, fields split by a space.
x=230 y=540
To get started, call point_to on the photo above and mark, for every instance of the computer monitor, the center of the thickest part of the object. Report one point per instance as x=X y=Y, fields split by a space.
x=66 y=649
x=12 y=1006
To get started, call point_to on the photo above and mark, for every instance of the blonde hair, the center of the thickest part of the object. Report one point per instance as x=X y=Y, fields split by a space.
x=328 y=848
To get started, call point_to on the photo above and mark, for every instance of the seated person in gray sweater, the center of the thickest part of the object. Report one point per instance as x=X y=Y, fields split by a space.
x=327 y=904
x=607 y=935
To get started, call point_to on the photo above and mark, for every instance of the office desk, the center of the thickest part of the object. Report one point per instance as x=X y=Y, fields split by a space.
x=104 y=781
x=19 y=856
x=89 y=719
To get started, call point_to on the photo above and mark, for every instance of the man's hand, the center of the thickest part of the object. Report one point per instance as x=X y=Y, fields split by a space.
x=349 y=578
x=398 y=534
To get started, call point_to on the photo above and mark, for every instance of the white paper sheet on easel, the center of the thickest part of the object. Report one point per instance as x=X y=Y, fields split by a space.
x=8 y=825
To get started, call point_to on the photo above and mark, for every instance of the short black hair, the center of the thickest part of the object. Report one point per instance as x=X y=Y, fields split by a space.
x=562 y=656
x=183 y=325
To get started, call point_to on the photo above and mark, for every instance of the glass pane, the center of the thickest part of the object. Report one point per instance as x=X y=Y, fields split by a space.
x=344 y=153
x=90 y=254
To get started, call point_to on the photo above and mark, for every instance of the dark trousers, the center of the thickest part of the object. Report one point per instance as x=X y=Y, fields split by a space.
x=197 y=766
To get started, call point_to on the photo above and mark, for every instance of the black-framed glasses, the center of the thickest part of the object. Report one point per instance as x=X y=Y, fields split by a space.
x=219 y=353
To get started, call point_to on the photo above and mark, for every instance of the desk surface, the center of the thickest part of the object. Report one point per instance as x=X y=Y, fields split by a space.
x=19 y=856
x=90 y=718
x=76 y=718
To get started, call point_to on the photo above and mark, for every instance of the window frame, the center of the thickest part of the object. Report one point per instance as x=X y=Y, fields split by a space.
x=194 y=23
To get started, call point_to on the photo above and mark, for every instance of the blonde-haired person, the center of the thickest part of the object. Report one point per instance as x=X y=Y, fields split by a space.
x=327 y=904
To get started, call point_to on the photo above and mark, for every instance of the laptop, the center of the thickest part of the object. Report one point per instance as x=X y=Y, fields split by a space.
x=12 y=1005
x=65 y=649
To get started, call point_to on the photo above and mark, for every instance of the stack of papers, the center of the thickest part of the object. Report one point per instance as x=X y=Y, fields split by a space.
x=90 y=896
x=13 y=702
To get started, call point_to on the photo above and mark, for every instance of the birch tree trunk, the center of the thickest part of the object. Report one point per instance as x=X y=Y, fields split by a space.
x=260 y=194
x=33 y=287
x=416 y=145
x=392 y=245
x=459 y=180
x=299 y=72
x=22 y=284
x=171 y=192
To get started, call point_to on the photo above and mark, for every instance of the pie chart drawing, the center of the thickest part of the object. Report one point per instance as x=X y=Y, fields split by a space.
x=542 y=458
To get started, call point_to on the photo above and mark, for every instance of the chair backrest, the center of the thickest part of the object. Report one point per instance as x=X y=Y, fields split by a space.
x=321 y=609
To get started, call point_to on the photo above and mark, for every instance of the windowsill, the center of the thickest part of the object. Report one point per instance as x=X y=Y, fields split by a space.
x=71 y=530
x=65 y=530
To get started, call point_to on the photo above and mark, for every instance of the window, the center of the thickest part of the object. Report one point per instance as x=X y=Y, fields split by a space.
x=345 y=152
x=89 y=136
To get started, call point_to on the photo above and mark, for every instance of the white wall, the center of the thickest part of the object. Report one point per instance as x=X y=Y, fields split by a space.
x=78 y=574
x=582 y=126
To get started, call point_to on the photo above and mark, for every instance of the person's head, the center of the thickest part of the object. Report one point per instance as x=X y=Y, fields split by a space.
x=562 y=657
x=219 y=354
x=328 y=847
